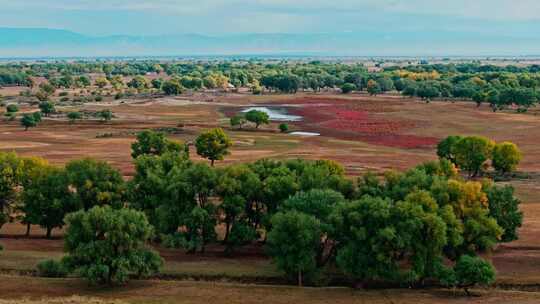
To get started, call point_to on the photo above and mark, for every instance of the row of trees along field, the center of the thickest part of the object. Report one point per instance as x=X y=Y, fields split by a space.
x=500 y=87
x=422 y=226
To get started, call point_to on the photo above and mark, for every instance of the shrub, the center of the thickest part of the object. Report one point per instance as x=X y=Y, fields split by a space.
x=98 y=98
x=51 y=269
x=284 y=127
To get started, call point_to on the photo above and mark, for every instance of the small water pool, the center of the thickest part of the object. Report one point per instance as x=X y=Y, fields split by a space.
x=299 y=133
x=275 y=114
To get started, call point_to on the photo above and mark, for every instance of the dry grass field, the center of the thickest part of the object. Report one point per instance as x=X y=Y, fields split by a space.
x=362 y=132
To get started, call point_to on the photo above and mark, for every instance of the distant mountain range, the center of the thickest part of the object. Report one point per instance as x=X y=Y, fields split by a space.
x=37 y=42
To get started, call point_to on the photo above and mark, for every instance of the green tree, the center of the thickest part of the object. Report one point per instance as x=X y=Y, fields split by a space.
x=506 y=157
x=347 y=88
x=471 y=271
x=12 y=108
x=427 y=91
x=106 y=245
x=320 y=204
x=47 y=199
x=11 y=174
x=373 y=87
x=28 y=121
x=83 y=81
x=293 y=243
x=504 y=208
x=73 y=116
x=238 y=121
x=366 y=229
x=105 y=115
x=46 y=108
x=257 y=117
x=101 y=82
x=157 y=83
x=172 y=87
x=47 y=88
x=150 y=189
x=95 y=183
x=139 y=82
x=472 y=152
x=154 y=143
x=213 y=144
x=239 y=187
x=446 y=147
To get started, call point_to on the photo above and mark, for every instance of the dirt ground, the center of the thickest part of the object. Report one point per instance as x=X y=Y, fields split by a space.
x=201 y=292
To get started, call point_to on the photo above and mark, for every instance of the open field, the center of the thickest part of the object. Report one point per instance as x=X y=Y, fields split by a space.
x=362 y=132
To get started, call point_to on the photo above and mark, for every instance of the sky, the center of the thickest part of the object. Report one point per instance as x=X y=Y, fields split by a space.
x=516 y=18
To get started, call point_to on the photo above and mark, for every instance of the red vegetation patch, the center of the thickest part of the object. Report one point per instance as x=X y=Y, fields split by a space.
x=356 y=122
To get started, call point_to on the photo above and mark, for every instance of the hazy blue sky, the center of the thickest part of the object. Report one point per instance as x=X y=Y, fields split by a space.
x=148 y=17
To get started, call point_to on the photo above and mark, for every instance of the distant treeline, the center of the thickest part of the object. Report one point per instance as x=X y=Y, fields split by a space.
x=500 y=86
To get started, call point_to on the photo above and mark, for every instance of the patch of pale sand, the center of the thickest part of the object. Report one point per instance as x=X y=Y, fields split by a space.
x=21 y=145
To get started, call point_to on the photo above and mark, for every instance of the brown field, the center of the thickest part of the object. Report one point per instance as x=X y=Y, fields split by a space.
x=362 y=132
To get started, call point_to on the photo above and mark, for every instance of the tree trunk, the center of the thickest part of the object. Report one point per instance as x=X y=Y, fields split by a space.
x=28 y=225
x=49 y=232
x=300 y=278
x=212 y=162
x=227 y=229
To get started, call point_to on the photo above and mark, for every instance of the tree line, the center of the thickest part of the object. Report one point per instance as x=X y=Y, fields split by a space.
x=500 y=87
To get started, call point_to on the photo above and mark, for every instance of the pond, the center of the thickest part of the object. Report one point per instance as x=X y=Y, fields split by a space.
x=275 y=113
x=299 y=133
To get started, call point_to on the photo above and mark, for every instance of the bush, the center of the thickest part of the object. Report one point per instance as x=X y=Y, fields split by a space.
x=283 y=127
x=64 y=99
x=119 y=96
x=98 y=98
x=62 y=94
x=51 y=269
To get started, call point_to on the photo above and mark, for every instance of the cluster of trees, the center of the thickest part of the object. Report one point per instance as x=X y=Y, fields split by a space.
x=471 y=154
x=46 y=108
x=403 y=228
x=412 y=227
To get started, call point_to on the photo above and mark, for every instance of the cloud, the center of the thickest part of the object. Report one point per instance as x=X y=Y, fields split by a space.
x=104 y=17
x=477 y=9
